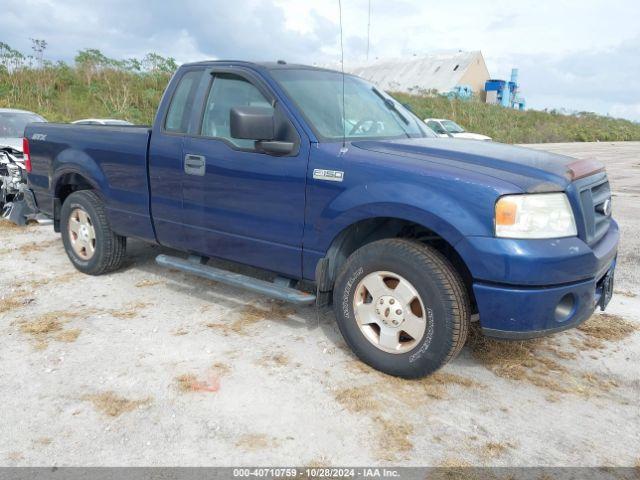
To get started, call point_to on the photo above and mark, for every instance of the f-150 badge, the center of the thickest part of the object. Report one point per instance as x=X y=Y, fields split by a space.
x=329 y=175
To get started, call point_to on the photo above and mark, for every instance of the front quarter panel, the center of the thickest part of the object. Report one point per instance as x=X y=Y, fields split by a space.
x=450 y=202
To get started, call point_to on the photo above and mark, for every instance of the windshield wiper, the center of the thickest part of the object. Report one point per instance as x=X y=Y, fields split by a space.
x=390 y=105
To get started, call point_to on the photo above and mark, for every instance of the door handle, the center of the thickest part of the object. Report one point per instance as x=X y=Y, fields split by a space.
x=195 y=164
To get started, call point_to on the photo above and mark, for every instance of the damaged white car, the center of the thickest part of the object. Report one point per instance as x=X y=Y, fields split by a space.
x=16 y=204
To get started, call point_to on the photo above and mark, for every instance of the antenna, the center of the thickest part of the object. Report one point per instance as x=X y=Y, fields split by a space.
x=368 y=29
x=344 y=113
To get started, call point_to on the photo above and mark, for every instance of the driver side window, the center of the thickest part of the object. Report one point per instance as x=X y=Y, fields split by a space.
x=229 y=91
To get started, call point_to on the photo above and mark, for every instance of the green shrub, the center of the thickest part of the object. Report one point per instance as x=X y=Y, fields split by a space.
x=514 y=126
x=97 y=86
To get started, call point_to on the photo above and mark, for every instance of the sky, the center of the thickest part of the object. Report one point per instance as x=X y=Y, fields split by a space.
x=578 y=55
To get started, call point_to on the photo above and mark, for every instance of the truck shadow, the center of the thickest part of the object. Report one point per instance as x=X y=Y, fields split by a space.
x=141 y=256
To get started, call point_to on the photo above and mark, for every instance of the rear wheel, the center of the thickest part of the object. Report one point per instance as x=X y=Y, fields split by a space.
x=91 y=245
x=401 y=307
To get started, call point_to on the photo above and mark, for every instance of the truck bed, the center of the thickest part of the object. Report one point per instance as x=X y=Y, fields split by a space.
x=114 y=157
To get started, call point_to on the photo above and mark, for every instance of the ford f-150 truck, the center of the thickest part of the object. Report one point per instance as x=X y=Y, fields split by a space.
x=326 y=181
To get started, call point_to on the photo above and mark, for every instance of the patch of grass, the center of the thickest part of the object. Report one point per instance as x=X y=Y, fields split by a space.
x=532 y=361
x=114 y=405
x=394 y=439
x=131 y=310
x=32 y=247
x=626 y=293
x=221 y=368
x=358 y=399
x=58 y=279
x=43 y=325
x=495 y=449
x=68 y=336
x=7 y=225
x=256 y=441
x=149 y=283
x=12 y=302
x=434 y=386
x=15 y=456
x=386 y=394
x=278 y=359
x=608 y=327
x=189 y=383
x=44 y=441
x=50 y=326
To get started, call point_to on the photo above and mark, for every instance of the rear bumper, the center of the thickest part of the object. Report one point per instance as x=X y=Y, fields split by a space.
x=531 y=309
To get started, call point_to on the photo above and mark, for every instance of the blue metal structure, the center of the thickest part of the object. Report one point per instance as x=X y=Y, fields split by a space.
x=507 y=92
x=463 y=92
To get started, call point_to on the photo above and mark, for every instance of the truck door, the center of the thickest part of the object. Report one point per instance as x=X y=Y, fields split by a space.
x=166 y=158
x=241 y=204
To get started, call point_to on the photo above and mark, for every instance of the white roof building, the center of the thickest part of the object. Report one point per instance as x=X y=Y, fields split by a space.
x=437 y=71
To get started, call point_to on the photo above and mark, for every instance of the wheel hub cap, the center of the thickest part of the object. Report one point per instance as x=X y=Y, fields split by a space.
x=82 y=234
x=389 y=312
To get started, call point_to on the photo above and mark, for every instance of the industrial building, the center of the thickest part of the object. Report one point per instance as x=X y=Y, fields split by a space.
x=442 y=72
x=457 y=74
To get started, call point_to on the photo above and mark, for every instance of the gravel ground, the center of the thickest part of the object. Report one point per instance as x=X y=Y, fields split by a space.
x=152 y=367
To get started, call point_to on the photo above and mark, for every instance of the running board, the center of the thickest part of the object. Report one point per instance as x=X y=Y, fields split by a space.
x=269 y=289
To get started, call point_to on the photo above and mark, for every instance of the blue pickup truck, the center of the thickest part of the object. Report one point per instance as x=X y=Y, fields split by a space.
x=327 y=182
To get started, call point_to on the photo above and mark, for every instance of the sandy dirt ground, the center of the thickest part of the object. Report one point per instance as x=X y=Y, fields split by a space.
x=149 y=366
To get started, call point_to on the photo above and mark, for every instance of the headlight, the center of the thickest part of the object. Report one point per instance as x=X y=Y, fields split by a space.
x=538 y=215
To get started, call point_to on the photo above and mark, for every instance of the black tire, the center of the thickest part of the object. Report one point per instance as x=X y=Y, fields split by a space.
x=440 y=288
x=110 y=247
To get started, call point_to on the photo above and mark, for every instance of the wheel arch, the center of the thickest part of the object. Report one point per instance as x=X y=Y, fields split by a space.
x=367 y=230
x=67 y=181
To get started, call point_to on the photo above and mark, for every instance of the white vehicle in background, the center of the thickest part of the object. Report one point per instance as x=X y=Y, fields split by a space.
x=449 y=128
x=12 y=123
x=102 y=121
x=16 y=202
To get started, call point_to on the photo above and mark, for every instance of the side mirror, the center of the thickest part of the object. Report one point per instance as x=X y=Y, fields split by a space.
x=257 y=123
x=252 y=123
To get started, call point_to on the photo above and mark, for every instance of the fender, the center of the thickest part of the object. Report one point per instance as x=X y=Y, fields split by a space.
x=74 y=162
x=439 y=208
x=78 y=162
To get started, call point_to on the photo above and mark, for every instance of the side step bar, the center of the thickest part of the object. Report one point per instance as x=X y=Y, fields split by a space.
x=269 y=289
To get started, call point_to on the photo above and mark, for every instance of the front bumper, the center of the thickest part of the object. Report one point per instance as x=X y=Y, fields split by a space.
x=517 y=304
x=520 y=313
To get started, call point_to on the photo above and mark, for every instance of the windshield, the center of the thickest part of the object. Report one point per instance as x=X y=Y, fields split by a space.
x=452 y=127
x=12 y=123
x=369 y=113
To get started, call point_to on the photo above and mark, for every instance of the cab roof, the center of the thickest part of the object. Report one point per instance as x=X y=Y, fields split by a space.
x=277 y=65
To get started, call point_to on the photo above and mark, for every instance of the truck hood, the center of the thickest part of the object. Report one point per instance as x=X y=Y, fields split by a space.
x=15 y=143
x=530 y=170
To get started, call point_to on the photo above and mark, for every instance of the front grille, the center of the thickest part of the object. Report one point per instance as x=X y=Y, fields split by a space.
x=593 y=200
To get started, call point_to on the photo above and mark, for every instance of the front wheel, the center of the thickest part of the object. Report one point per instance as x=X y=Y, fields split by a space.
x=401 y=307
x=91 y=245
